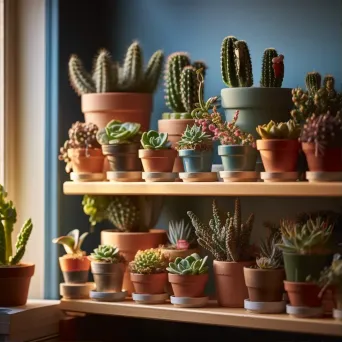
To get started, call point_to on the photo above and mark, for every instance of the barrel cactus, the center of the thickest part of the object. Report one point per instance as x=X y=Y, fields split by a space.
x=149 y=261
x=272 y=74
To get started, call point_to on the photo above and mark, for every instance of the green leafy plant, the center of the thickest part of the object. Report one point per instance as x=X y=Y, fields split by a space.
x=8 y=218
x=191 y=265
x=226 y=239
x=149 y=261
x=72 y=242
x=152 y=140
x=180 y=232
x=110 y=76
x=107 y=253
x=193 y=138
x=283 y=130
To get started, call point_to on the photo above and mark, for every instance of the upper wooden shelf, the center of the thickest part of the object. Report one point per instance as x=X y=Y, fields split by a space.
x=212 y=315
x=286 y=189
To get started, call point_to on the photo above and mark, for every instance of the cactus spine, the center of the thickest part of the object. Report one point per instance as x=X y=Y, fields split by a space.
x=272 y=74
x=313 y=82
x=133 y=68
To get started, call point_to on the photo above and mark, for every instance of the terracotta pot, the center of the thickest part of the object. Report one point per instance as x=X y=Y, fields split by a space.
x=86 y=160
x=230 y=283
x=303 y=294
x=188 y=285
x=279 y=155
x=175 y=129
x=264 y=285
x=329 y=161
x=123 y=157
x=181 y=253
x=130 y=243
x=158 y=160
x=149 y=283
x=75 y=270
x=101 y=108
x=15 y=284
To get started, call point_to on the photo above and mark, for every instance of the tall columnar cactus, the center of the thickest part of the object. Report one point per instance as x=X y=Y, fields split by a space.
x=272 y=74
x=313 y=82
x=189 y=85
x=104 y=75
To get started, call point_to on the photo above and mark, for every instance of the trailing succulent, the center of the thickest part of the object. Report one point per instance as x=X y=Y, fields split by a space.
x=191 y=265
x=152 y=140
x=181 y=234
x=72 y=242
x=117 y=132
x=110 y=76
x=81 y=136
x=227 y=240
x=284 y=130
x=8 y=218
x=181 y=85
x=149 y=261
x=193 y=138
x=107 y=253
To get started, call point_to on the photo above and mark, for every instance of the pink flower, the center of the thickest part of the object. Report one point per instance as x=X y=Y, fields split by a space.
x=212 y=127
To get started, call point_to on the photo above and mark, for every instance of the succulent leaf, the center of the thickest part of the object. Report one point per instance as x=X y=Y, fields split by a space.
x=191 y=265
x=152 y=140
x=107 y=253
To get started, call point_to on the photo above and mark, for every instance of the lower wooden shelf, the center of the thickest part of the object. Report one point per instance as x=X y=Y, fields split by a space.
x=212 y=315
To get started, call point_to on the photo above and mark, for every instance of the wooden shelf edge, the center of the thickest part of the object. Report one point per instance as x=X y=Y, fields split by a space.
x=211 y=315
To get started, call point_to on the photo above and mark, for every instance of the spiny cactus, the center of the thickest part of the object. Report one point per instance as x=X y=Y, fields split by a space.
x=313 y=82
x=149 y=261
x=191 y=265
x=193 y=138
x=189 y=85
x=152 y=140
x=282 y=130
x=227 y=240
x=72 y=242
x=107 y=253
x=272 y=74
x=110 y=76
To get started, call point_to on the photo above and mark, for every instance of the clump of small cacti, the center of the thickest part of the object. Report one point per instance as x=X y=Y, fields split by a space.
x=193 y=138
x=181 y=235
x=152 y=140
x=150 y=261
x=107 y=253
x=228 y=239
x=283 y=130
x=72 y=242
x=272 y=73
x=191 y=265
x=8 y=217
x=110 y=76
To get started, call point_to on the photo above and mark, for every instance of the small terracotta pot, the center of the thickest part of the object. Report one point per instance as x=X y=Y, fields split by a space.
x=230 y=283
x=279 y=155
x=303 y=294
x=149 y=283
x=188 y=285
x=158 y=160
x=15 y=284
x=329 y=161
x=86 y=160
x=100 y=108
x=75 y=270
x=264 y=285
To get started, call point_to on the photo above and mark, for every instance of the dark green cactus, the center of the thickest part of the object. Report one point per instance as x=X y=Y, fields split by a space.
x=313 y=82
x=22 y=240
x=189 y=86
x=272 y=74
x=243 y=64
x=104 y=75
x=153 y=71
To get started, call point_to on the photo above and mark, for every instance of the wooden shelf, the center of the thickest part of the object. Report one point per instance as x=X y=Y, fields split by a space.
x=296 y=189
x=211 y=315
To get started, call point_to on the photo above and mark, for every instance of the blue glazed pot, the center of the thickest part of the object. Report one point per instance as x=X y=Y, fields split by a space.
x=196 y=161
x=237 y=157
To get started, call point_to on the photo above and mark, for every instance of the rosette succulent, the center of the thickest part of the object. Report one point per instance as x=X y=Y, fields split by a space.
x=283 y=130
x=149 y=261
x=107 y=253
x=152 y=140
x=191 y=265
x=194 y=138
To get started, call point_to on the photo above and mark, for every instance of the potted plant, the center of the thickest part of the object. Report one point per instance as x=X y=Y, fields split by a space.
x=157 y=154
x=257 y=105
x=81 y=152
x=74 y=264
x=117 y=92
x=120 y=144
x=181 y=86
x=189 y=276
x=108 y=268
x=227 y=239
x=279 y=145
x=148 y=272
x=15 y=276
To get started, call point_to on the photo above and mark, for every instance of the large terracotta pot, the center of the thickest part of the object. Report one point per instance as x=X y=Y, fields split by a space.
x=188 y=285
x=230 y=283
x=303 y=294
x=100 y=108
x=86 y=160
x=75 y=269
x=130 y=243
x=149 y=283
x=158 y=160
x=15 y=284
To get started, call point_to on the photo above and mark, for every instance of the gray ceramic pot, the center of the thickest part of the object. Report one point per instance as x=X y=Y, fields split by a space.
x=108 y=277
x=238 y=158
x=196 y=161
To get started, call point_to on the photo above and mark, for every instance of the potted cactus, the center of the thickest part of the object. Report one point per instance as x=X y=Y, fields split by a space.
x=15 y=276
x=257 y=105
x=108 y=268
x=181 y=86
x=74 y=264
x=148 y=271
x=117 y=92
x=279 y=145
x=120 y=143
x=81 y=152
x=189 y=276
x=228 y=241
x=157 y=154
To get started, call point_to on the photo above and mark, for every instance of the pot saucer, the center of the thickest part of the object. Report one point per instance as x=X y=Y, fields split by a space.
x=324 y=176
x=337 y=314
x=240 y=176
x=188 y=302
x=86 y=177
x=159 y=176
x=142 y=298
x=108 y=296
x=304 y=312
x=279 y=176
x=124 y=176
x=265 y=307
x=198 y=176
x=75 y=291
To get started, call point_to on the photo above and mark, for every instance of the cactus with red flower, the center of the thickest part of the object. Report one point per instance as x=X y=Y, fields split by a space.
x=272 y=69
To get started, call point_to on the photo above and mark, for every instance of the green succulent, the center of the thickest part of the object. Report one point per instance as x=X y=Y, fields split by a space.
x=283 y=130
x=152 y=140
x=194 y=138
x=72 y=242
x=191 y=265
x=149 y=261
x=181 y=231
x=107 y=253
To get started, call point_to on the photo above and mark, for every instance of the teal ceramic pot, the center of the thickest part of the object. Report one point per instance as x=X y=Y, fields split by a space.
x=196 y=161
x=238 y=158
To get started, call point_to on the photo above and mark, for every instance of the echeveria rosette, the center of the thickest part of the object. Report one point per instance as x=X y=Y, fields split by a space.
x=107 y=253
x=191 y=265
x=152 y=140
x=194 y=138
